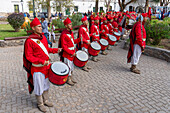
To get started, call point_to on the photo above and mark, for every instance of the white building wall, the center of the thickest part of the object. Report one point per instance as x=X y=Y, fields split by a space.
x=7 y=6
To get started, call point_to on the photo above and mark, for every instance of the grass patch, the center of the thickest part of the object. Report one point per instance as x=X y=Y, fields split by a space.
x=7 y=31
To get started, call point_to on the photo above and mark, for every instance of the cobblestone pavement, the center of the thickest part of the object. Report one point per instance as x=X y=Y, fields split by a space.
x=108 y=88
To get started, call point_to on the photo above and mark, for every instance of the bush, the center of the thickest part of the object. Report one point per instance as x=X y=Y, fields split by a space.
x=155 y=31
x=16 y=20
x=58 y=23
x=76 y=19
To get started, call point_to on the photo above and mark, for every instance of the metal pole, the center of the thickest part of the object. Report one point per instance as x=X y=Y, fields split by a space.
x=34 y=9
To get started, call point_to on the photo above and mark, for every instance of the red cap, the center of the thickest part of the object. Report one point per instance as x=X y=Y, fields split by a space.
x=149 y=7
x=84 y=19
x=96 y=18
x=67 y=21
x=110 y=17
x=35 y=22
x=144 y=14
x=104 y=18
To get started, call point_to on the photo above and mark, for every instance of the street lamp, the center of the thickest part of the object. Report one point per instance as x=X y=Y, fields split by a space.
x=22 y=6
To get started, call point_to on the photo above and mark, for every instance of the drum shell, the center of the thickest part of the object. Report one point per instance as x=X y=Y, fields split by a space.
x=92 y=51
x=118 y=37
x=57 y=79
x=102 y=46
x=79 y=63
x=111 y=42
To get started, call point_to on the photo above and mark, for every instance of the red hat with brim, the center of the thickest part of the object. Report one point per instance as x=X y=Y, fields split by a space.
x=144 y=14
x=96 y=18
x=35 y=22
x=84 y=18
x=104 y=18
x=67 y=21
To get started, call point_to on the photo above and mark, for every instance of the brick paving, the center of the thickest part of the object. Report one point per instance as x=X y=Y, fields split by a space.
x=108 y=88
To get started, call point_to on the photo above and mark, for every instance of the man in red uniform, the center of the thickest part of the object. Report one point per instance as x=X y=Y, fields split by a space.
x=137 y=43
x=105 y=28
x=94 y=30
x=66 y=42
x=84 y=35
x=37 y=63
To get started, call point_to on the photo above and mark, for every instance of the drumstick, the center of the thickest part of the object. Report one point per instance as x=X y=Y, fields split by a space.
x=81 y=41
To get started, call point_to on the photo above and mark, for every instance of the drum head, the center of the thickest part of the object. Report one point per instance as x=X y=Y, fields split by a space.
x=95 y=46
x=131 y=22
x=112 y=38
x=82 y=55
x=104 y=42
x=117 y=34
x=60 y=68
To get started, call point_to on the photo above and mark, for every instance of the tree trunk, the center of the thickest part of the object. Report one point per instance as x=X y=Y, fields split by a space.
x=48 y=9
x=146 y=6
x=96 y=6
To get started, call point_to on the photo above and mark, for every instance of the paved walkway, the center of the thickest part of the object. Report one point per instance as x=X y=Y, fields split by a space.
x=108 y=88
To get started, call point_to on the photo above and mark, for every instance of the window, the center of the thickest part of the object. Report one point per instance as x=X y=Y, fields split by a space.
x=58 y=8
x=76 y=8
x=30 y=7
x=16 y=8
x=130 y=8
x=101 y=8
x=110 y=8
x=93 y=9
x=68 y=11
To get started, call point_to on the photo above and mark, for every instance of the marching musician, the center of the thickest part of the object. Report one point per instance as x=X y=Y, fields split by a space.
x=84 y=35
x=94 y=30
x=37 y=64
x=66 y=42
x=104 y=35
x=137 y=43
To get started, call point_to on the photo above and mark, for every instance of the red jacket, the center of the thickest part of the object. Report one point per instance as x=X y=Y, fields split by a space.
x=139 y=39
x=115 y=25
x=36 y=55
x=84 y=33
x=104 y=27
x=110 y=27
x=67 y=44
x=95 y=29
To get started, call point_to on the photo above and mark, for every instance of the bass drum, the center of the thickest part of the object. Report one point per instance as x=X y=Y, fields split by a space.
x=81 y=58
x=94 y=48
x=58 y=73
x=103 y=43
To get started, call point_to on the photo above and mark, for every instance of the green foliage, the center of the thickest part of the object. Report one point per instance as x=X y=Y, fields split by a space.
x=76 y=19
x=166 y=20
x=58 y=23
x=155 y=31
x=16 y=20
x=28 y=28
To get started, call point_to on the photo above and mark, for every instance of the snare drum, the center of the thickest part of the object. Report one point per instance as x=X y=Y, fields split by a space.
x=58 y=73
x=94 y=48
x=81 y=58
x=112 y=39
x=103 y=43
x=117 y=35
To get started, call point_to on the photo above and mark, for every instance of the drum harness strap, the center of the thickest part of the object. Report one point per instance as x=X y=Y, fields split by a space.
x=71 y=48
x=97 y=30
x=40 y=44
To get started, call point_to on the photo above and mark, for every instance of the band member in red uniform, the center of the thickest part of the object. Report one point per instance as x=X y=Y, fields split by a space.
x=94 y=30
x=104 y=35
x=66 y=42
x=137 y=43
x=84 y=35
x=149 y=13
x=37 y=63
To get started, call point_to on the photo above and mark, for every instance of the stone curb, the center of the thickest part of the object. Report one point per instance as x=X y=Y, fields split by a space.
x=160 y=53
x=16 y=41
